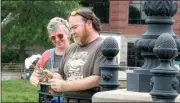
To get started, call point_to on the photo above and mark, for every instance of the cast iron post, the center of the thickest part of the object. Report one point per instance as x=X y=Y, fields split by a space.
x=164 y=79
x=109 y=69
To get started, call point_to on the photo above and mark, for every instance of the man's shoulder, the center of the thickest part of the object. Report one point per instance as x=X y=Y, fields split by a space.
x=98 y=42
x=73 y=45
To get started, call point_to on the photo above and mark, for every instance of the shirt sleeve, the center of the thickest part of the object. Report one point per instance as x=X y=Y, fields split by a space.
x=61 y=67
x=99 y=59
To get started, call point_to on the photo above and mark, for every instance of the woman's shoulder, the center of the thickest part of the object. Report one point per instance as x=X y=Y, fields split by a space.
x=45 y=53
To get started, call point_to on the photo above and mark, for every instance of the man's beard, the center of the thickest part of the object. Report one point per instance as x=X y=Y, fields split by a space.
x=84 y=38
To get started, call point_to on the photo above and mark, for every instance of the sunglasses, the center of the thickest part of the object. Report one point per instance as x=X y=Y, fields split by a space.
x=59 y=36
x=73 y=13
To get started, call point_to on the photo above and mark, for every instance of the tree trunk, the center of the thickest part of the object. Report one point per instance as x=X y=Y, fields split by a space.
x=22 y=51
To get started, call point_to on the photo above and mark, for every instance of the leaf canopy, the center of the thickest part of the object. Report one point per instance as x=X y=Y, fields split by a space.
x=30 y=24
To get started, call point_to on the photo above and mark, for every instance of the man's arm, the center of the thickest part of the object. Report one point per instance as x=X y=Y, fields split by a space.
x=76 y=85
x=83 y=84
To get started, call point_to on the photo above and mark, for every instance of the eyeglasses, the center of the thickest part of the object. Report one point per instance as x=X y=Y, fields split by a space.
x=59 y=36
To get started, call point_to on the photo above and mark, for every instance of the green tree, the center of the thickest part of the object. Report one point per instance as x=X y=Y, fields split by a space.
x=24 y=22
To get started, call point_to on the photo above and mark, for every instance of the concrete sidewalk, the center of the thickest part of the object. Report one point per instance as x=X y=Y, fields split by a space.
x=6 y=75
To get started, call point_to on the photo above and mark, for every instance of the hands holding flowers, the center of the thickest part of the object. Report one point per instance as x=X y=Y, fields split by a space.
x=38 y=75
x=54 y=79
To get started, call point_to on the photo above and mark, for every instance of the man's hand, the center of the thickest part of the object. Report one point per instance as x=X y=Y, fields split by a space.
x=57 y=76
x=57 y=85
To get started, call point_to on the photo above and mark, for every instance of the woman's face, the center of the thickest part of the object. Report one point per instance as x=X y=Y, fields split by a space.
x=59 y=38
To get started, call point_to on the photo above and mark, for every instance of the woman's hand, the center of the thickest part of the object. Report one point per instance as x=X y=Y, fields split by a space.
x=48 y=73
x=54 y=75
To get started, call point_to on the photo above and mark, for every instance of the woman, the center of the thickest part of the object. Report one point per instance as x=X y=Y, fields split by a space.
x=59 y=34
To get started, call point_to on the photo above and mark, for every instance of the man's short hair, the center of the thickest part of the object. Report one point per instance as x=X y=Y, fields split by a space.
x=87 y=14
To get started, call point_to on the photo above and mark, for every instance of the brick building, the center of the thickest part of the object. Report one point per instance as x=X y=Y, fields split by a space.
x=120 y=20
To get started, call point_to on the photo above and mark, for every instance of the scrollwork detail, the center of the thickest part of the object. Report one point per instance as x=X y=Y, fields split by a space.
x=107 y=77
x=175 y=83
x=160 y=7
x=151 y=81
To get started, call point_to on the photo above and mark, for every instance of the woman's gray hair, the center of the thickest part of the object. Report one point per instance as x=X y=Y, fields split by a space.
x=56 y=23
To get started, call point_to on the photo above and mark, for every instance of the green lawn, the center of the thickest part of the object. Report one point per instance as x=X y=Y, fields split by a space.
x=23 y=91
x=19 y=91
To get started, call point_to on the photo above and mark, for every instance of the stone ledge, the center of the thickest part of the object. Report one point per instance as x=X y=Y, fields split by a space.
x=122 y=95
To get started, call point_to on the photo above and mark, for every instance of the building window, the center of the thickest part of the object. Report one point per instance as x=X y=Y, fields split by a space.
x=136 y=13
x=99 y=7
x=134 y=58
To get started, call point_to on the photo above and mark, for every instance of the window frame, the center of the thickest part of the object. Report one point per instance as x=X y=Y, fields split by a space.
x=140 y=20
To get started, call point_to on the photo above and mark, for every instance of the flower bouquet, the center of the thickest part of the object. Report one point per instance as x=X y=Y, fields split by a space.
x=30 y=63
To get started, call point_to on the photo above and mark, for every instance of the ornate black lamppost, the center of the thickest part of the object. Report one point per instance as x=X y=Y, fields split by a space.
x=160 y=20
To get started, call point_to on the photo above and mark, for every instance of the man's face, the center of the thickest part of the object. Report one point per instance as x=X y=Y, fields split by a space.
x=79 y=29
x=59 y=38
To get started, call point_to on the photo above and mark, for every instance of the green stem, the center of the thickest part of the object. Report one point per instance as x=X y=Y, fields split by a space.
x=43 y=73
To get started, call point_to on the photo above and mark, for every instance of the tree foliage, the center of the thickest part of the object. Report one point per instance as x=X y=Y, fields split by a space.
x=24 y=22
x=30 y=25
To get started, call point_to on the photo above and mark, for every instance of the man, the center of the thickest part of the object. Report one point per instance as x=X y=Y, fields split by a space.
x=79 y=68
